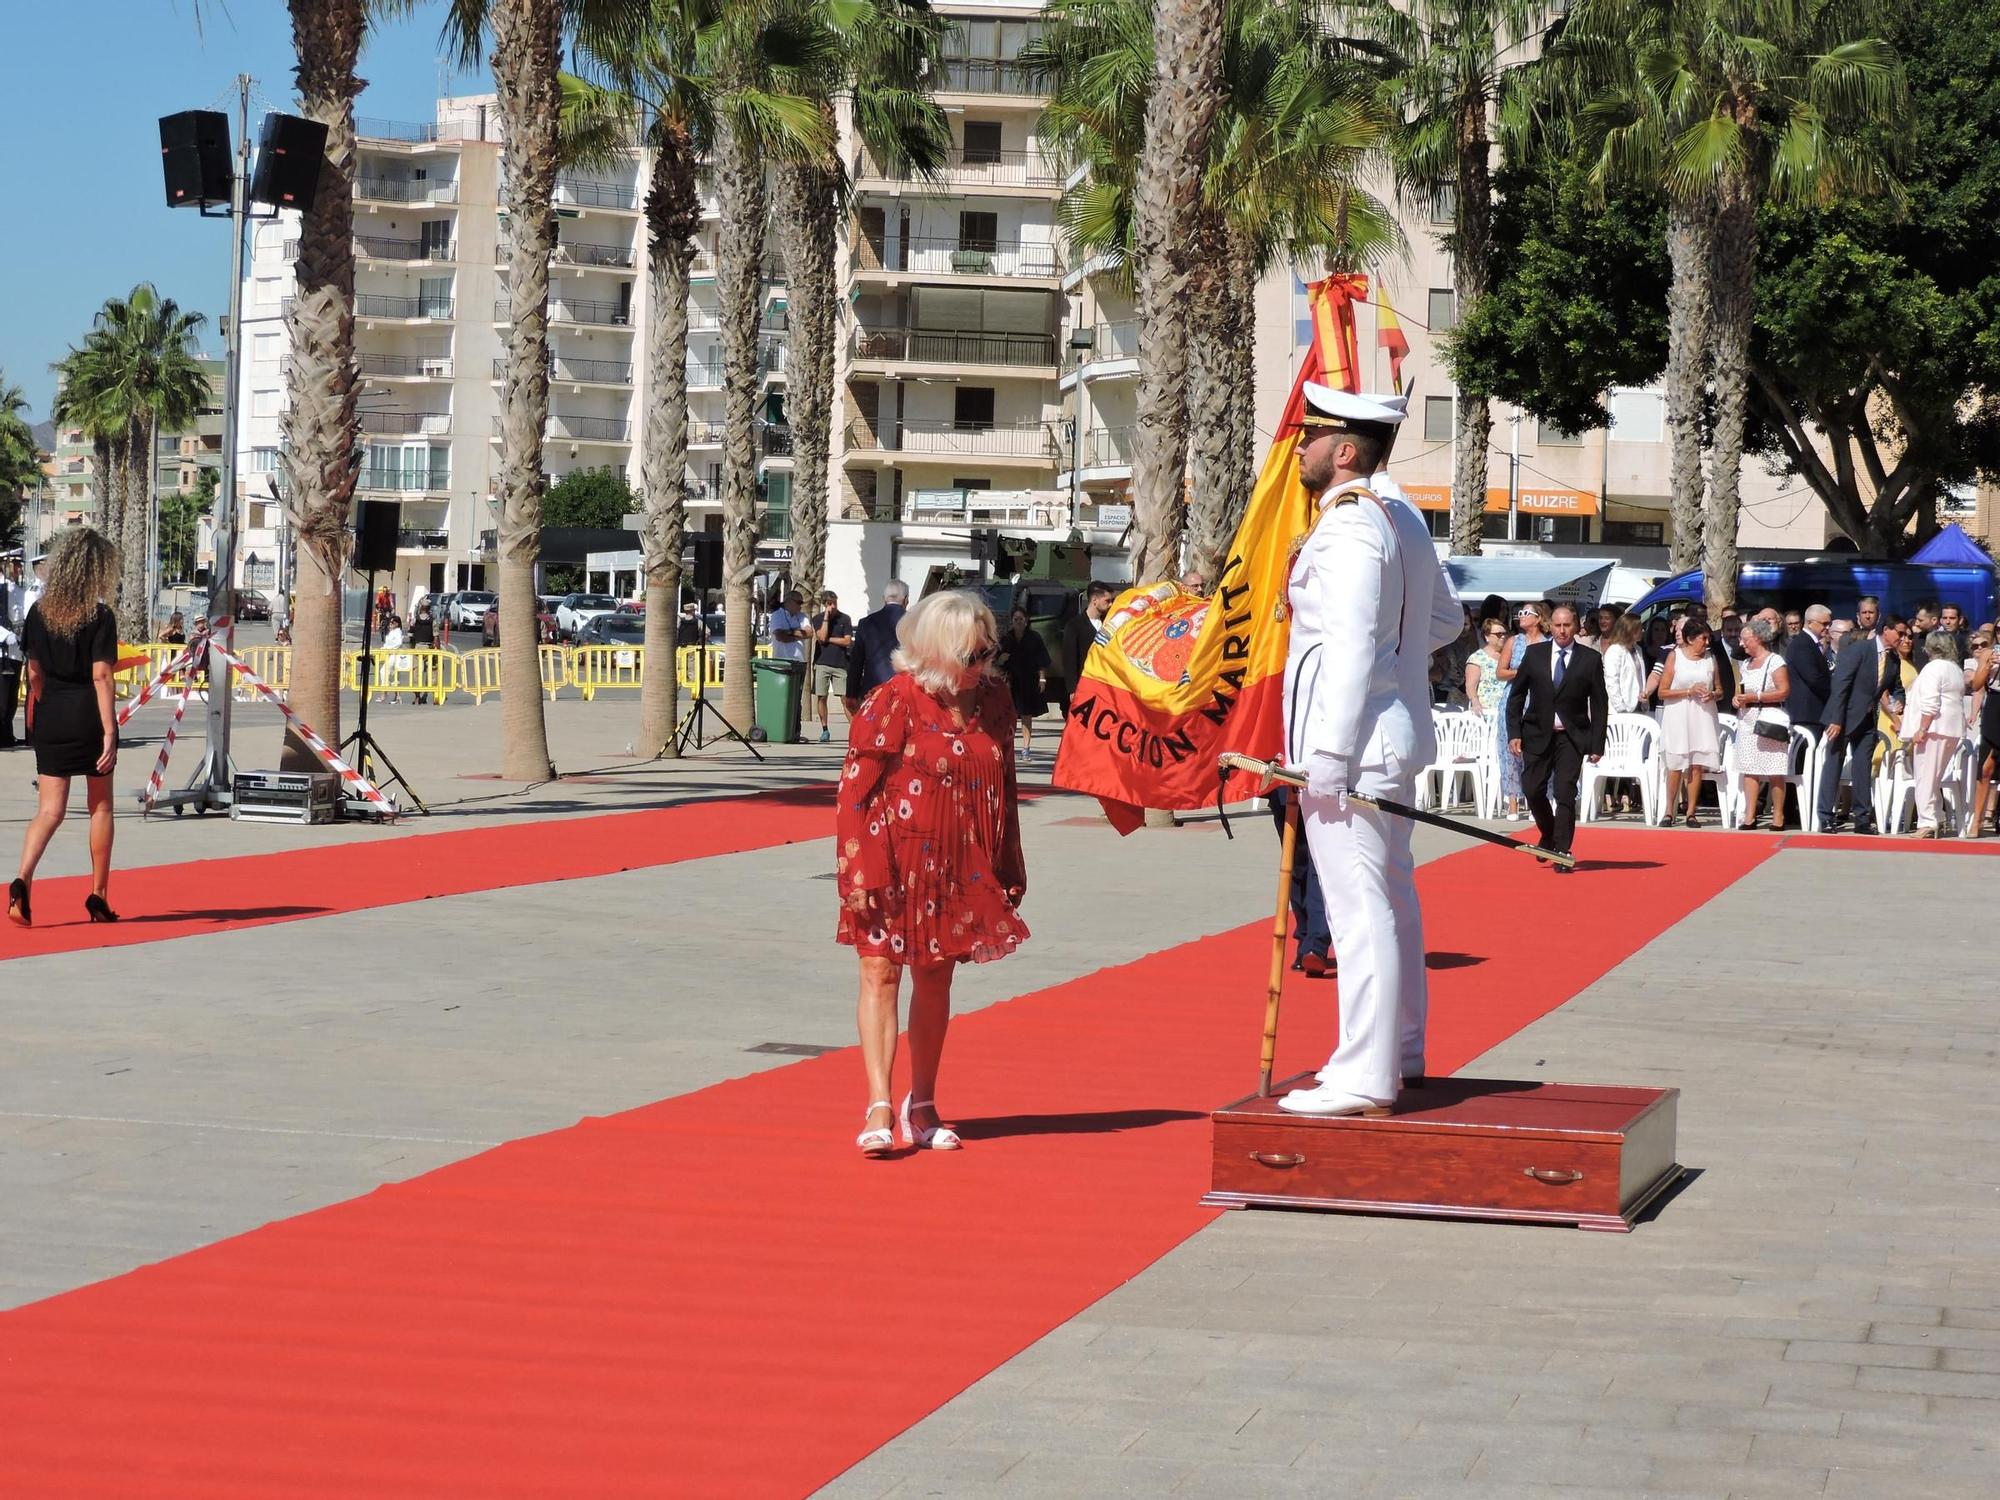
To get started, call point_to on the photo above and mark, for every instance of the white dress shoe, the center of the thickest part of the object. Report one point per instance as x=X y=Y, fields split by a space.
x=1327 y=1100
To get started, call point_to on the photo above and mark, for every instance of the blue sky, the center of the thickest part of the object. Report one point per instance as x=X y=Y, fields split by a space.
x=80 y=171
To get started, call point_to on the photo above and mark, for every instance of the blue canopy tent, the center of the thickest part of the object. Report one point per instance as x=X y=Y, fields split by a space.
x=1951 y=547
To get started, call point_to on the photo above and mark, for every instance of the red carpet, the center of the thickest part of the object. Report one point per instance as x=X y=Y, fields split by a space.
x=1869 y=843
x=252 y=890
x=713 y=1295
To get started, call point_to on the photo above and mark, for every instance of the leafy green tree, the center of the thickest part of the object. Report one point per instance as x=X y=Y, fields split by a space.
x=597 y=498
x=180 y=525
x=20 y=462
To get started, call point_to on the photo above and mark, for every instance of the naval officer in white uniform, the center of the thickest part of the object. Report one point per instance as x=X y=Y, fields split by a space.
x=1370 y=602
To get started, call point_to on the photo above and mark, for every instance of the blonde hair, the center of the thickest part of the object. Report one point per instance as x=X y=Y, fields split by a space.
x=938 y=635
x=83 y=572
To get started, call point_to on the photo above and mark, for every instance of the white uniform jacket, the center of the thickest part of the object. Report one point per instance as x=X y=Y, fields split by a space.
x=1370 y=602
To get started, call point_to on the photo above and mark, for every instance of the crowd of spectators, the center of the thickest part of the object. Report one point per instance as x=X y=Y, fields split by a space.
x=1875 y=695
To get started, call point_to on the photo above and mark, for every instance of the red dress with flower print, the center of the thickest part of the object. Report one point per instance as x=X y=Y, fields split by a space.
x=928 y=833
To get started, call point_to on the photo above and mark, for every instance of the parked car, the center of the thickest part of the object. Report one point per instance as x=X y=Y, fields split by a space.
x=489 y=627
x=470 y=609
x=441 y=608
x=614 y=629
x=252 y=604
x=545 y=616
x=575 y=609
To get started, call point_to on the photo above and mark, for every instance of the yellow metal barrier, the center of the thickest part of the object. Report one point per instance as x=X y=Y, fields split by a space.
x=273 y=666
x=423 y=673
x=555 y=669
x=479 y=672
x=595 y=667
x=686 y=666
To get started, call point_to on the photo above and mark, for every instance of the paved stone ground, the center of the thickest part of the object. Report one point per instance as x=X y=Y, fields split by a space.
x=1818 y=1312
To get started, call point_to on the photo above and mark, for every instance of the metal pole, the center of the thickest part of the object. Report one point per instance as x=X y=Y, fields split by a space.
x=222 y=578
x=1514 y=482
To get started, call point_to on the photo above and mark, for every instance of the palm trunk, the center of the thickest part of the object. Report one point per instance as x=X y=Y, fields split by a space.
x=1242 y=290
x=527 y=50
x=739 y=172
x=807 y=194
x=673 y=214
x=322 y=428
x=1211 y=403
x=141 y=464
x=1472 y=248
x=1734 y=257
x=1180 y=111
x=1690 y=234
x=107 y=479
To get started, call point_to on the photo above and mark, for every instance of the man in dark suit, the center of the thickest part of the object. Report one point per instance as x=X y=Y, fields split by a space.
x=871 y=659
x=1851 y=705
x=1557 y=724
x=1809 y=674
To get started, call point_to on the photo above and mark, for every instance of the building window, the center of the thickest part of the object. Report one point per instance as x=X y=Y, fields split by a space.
x=1444 y=309
x=267 y=347
x=1437 y=419
x=972 y=408
x=1638 y=416
x=982 y=142
x=1444 y=205
x=259 y=515
x=979 y=231
x=1549 y=435
x=959 y=482
x=777 y=506
x=263 y=460
x=1634 y=533
x=263 y=403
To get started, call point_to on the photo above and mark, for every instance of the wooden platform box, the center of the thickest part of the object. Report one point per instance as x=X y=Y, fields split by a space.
x=1472 y=1148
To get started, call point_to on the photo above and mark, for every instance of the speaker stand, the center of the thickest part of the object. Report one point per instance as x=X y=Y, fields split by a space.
x=365 y=749
x=690 y=729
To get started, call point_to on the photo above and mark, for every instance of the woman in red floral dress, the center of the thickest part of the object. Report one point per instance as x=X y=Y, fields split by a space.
x=929 y=848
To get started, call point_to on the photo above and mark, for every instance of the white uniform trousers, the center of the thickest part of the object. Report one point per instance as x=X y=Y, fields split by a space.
x=1368 y=878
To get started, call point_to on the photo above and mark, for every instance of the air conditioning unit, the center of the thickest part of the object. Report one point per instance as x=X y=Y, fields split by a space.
x=440 y=368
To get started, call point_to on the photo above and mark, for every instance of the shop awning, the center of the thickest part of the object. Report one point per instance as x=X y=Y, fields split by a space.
x=1567 y=580
x=1536 y=502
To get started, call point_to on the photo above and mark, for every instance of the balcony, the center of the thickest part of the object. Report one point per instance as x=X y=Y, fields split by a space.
x=950 y=256
x=1026 y=441
x=567 y=429
x=1113 y=353
x=415 y=539
x=400 y=190
x=403 y=481
x=410 y=133
x=771 y=355
x=1107 y=448
x=703 y=434
x=954 y=347
x=572 y=254
x=969 y=170
x=583 y=192
x=406 y=423
x=433 y=309
x=405 y=366
x=1010 y=507
x=704 y=375
x=774 y=441
x=565 y=310
x=579 y=371
x=985 y=75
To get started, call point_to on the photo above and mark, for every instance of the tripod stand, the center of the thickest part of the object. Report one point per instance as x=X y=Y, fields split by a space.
x=365 y=749
x=690 y=727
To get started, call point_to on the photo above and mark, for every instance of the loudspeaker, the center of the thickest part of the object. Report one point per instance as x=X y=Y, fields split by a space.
x=194 y=154
x=701 y=561
x=289 y=153
x=375 y=525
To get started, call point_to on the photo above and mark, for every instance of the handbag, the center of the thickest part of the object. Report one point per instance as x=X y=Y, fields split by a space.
x=1770 y=723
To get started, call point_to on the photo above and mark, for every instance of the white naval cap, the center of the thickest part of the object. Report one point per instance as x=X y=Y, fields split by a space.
x=1326 y=406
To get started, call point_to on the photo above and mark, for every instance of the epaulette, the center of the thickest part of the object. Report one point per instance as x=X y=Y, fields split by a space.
x=1349 y=497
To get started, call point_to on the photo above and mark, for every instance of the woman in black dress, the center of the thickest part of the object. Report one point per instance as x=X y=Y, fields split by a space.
x=1024 y=658
x=71 y=642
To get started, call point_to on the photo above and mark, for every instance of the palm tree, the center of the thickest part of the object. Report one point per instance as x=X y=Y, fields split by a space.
x=1288 y=144
x=527 y=46
x=320 y=427
x=1722 y=106
x=1454 y=65
x=1186 y=92
x=80 y=402
x=20 y=464
x=877 y=54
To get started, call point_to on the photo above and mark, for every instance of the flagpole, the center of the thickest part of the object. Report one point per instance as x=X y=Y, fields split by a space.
x=1288 y=851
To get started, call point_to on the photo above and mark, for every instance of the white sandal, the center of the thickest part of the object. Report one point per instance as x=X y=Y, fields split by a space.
x=936 y=1138
x=882 y=1139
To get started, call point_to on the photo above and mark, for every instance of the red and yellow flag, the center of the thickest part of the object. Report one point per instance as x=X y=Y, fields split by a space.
x=1176 y=679
x=1389 y=336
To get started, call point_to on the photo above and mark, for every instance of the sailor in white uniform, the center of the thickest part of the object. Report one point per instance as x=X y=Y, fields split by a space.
x=1369 y=602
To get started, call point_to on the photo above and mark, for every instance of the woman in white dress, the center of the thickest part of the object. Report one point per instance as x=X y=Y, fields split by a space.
x=1689 y=737
x=1763 y=728
x=1934 y=723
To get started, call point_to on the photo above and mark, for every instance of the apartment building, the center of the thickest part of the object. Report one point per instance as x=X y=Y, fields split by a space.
x=432 y=310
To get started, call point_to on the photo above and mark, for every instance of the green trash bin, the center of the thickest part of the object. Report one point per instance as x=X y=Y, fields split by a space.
x=779 y=691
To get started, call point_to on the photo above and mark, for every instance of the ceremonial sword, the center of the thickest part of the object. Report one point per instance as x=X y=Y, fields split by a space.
x=1267 y=772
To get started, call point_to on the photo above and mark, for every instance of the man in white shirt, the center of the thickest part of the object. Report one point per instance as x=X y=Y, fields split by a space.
x=789 y=628
x=1369 y=602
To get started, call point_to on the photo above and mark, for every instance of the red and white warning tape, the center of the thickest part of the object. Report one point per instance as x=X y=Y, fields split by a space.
x=203 y=643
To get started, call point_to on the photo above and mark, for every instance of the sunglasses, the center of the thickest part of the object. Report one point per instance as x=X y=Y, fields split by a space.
x=980 y=657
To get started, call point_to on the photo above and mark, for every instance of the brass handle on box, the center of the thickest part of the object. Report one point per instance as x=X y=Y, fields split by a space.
x=1277 y=1159
x=1554 y=1177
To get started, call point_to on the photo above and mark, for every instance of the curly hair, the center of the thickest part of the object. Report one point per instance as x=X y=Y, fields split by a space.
x=83 y=572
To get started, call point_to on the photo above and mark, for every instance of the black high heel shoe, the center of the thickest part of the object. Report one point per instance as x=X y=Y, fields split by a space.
x=18 y=910
x=98 y=908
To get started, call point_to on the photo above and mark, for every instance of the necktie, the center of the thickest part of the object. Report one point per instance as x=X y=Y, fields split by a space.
x=1562 y=665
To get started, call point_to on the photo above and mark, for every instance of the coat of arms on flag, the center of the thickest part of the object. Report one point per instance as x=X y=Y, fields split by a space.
x=1175 y=678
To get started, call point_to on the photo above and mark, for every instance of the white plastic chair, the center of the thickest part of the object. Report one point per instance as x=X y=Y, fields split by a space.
x=1459 y=754
x=1631 y=753
x=1895 y=791
x=1728 y=781
x=1803 y=778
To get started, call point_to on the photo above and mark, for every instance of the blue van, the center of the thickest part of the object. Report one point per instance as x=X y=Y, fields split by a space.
x=1839 y=583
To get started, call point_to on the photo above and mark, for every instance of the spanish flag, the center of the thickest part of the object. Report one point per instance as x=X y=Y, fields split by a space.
x=1389 y=336
x=1176 y=679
